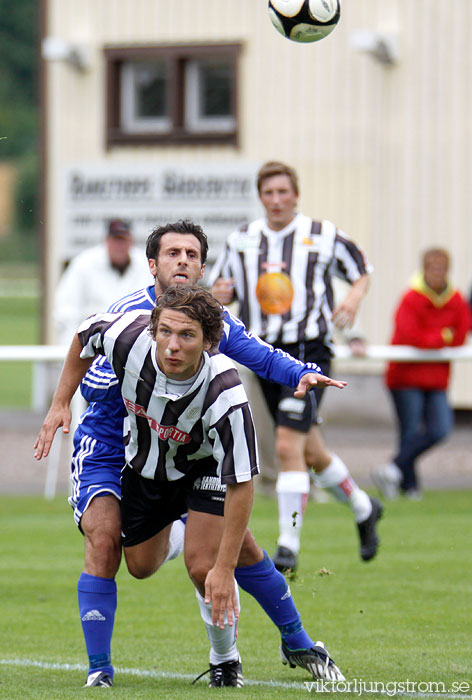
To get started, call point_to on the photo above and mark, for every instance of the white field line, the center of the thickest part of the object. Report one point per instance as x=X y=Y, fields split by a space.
x=142 y=673
x=135 y=672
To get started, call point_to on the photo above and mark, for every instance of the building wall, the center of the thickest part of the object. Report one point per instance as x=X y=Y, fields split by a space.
x=8 y=181
x=384 y=151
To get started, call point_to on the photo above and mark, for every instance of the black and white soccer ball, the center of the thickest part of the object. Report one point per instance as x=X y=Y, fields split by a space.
x=305 y=20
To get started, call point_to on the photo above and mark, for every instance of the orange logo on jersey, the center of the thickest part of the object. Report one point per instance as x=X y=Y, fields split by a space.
x=274 y=292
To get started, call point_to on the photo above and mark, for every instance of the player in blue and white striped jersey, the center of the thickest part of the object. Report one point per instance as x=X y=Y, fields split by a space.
x=189 y=422
x=243 y=347
x=177 y=255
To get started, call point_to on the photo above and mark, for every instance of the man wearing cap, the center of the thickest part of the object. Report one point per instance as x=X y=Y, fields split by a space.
x=97 y=277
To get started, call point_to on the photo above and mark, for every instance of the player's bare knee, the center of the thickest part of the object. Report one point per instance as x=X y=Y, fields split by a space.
x=140 y=571
x=102 y=553
x=197 y=570
x=140 y=566
x=250 y=553
x=284 y=448
x=103 y=539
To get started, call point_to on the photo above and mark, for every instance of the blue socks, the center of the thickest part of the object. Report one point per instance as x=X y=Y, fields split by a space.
x=98 y=602
x=269 y=587
x=97 y=606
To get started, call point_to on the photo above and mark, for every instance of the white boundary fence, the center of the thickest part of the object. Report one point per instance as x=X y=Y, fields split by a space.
x=44 y=355
x=399 y=353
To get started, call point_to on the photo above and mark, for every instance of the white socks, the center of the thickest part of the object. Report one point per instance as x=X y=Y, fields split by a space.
x=223 y=642
x=337 y=480
x=176 y=540
x=292 y=495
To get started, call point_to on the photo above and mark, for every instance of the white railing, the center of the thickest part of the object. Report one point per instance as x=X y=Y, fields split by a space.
x=42 y=355
x=399 y=353
x=33 y=353
x=372 y=361
x=405 y=353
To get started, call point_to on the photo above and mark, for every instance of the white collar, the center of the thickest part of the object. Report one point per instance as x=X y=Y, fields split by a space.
x=162 y=380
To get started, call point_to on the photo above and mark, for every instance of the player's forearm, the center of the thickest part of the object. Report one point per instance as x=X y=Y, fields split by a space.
x=238 y=506
x=59 y=414
x=261 y=357
x=72 y=373
x=359 y=288
x=345 y=314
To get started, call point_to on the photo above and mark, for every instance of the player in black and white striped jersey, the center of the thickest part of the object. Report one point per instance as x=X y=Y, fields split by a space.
x=190 y=403
x=308 y=252
x=189 y=419
x=203 y=417
x=280 y=270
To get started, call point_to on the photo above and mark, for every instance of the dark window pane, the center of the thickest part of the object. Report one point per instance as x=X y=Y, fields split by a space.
x=151 y=91
x=216 y=87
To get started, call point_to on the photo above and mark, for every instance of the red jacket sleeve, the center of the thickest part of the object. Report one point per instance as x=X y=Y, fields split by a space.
x=463 y=323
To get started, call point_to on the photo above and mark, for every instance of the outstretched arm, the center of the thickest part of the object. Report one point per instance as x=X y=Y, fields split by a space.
x=260 y=357
x=59 y=414
x=312 y=379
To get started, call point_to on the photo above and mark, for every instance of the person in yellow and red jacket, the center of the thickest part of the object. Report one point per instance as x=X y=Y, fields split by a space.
x=431 y=315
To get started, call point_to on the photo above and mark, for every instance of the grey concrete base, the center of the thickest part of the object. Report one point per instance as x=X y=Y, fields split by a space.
x=358 y=425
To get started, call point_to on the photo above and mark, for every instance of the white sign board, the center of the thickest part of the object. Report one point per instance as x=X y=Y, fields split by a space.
x=217 y=196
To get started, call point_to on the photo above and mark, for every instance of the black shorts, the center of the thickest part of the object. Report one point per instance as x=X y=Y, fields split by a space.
x=148 y=506
x=285 y=409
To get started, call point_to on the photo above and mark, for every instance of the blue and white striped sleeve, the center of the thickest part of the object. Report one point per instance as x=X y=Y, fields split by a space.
x=260 y=357
x=100 y=383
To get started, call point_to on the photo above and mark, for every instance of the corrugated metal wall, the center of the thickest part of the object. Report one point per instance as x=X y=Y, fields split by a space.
x=384 y=151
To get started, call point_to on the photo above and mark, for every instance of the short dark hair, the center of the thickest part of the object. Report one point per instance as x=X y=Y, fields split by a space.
x=195 y=302
x=275 y=167
x=153 y=242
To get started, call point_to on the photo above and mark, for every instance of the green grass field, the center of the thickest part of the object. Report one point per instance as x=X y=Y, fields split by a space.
x=19 y=323
x=404 y=616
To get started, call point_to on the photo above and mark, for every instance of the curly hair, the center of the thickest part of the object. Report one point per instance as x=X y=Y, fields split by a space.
x=153 y=242
x=195 y=302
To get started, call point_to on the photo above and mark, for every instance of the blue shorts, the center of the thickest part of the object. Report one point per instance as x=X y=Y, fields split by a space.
x=95 y=471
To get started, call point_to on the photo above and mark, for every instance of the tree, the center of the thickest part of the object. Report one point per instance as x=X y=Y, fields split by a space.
x=19 y=69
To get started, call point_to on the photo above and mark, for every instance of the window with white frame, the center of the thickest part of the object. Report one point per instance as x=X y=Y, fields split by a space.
x=172 y=94
x=144 y=97
x=208 y=96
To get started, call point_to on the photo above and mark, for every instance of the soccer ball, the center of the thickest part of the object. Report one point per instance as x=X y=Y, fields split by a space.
x=304 y=20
